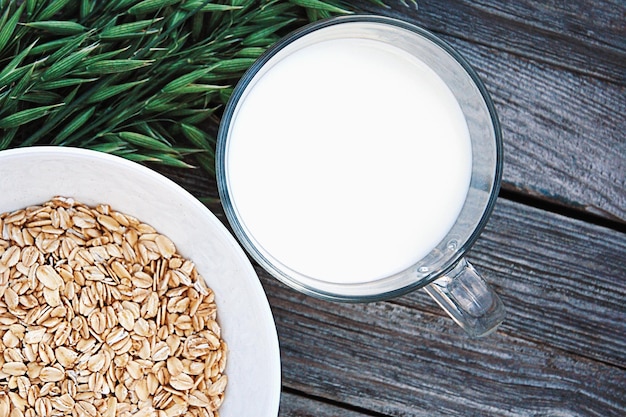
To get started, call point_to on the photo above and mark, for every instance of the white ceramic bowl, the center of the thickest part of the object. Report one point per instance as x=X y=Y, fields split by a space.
x=34 y=175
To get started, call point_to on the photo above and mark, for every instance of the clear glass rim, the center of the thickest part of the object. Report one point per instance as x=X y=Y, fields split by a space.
x=222 y=180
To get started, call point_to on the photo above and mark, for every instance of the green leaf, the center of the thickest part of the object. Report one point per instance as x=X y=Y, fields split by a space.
x=319 y=5
x=197 y=136
x=106 y=93
x=314 y=15
x=72 y=126
x=250 y=52
x=73 y=44
x=149 y=130
x=49 y=46
x=160 y=103
x=53 y=8
x=58 y=27
x=177 y=18
x=144 y=141
x=14 y=95
x=186 y=79
x=7 y=137
x=86 y=7
x=137 y=157
x=225 y=94
x=196 y=116
x=68 y=63
x=65 y=82
x=275 y=11
x=199 y=88
x=71 y=95
x=113 y=66
x=25 y=83
x=121 y=4
x=234 y=65
x=8 y=26
x=207 y=162
x=5 y=15
x=173 y=160
x=41 y=97
x=15 y=74
x=149 y=6
x=26 y=116
x=197 y=24
x=204 y=6
x=30 y=6
x=101 y=57
x=122 y=115
x=108 y=147
x=13 y=64
x=260 y=37
x=130 y=29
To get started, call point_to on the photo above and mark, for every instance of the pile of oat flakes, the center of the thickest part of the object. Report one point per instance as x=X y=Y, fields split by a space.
x=100 y=316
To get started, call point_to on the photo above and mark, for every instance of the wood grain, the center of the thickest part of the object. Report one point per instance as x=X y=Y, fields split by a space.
x=564 y=280
x=568 y=146
x=400 y=361
x=561 y=351
x=294 y=405
x=582 y=37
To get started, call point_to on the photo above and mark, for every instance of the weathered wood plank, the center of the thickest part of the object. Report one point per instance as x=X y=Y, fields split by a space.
x=561 y=351
x=564 y=281
x=583 y=37
x=567 y=146
x=293 y=405
x=399 y=361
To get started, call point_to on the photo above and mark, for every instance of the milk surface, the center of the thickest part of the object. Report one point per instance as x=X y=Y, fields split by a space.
x=348 y=161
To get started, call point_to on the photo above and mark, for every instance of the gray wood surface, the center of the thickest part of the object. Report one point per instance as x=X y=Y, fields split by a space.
x=582 y=36
x=298 y=405
x=568 y=146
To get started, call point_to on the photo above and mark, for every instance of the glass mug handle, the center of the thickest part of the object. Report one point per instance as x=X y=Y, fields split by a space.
x=468 y=299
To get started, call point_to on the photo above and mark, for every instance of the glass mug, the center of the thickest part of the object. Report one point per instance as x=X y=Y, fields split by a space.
x=359 y=159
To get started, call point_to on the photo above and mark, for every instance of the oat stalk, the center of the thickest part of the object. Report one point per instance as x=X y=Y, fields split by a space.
x=144 y=79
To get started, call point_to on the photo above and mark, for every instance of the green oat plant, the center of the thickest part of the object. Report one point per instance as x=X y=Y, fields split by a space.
x=143 y=79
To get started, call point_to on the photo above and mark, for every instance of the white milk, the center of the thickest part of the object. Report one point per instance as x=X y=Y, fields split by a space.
x=349 y=161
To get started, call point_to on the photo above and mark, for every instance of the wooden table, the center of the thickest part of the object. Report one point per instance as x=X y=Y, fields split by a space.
x=554 y=249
